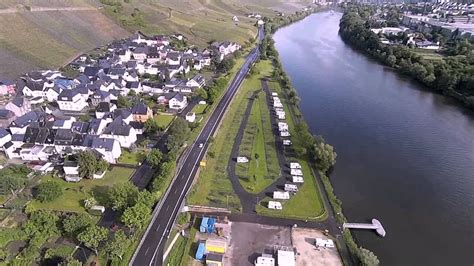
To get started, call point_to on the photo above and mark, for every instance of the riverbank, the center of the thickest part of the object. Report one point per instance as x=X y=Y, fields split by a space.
x=321 y=162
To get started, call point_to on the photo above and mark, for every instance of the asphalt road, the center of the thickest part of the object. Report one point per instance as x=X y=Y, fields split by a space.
x=151 y=247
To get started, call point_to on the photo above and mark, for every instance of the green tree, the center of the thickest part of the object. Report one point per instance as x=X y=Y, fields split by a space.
x=92 y=236
x=124 y=102
x=201 y=93
x=178 y=133
x=71 y=262
x=324 y=154
x=4 y=254
x=9 y=184
x=391 y=60
x=367 y=257
x=48 y=191
x=146 y=197
x=152 y=126
x=90 y=163
x=41 y=223
x=122 y=196
x=75 y=223
x=136 y=216
x=154 y=157
x=117 y=246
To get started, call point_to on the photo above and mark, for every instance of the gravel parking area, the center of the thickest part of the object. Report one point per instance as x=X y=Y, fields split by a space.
x=308 y=254
x=250 y=240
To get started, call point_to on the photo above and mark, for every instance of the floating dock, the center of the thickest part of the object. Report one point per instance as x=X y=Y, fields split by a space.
x=375 y=225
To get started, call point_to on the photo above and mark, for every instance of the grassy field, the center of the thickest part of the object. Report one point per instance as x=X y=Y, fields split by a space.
x=164 y=120
x=75 y=193
x=428 y=54
x=128 y=157
x=199 y=109
x=258 y=139
x=307 y=202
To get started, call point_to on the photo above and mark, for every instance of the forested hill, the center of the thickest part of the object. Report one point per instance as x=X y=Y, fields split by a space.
x=452 y=74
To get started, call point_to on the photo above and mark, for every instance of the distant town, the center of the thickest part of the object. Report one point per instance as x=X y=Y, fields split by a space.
x=427 y=25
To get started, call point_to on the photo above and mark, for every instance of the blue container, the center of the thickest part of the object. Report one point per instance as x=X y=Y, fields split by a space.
x=200 y=251
x=210 y=225
x=204 y=223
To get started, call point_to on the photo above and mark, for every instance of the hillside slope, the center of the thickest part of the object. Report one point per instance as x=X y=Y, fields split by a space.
x=39 y=39
x=48 y=33
x=199 y=20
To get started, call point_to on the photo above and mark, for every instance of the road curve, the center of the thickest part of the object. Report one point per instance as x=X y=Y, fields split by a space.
x=151 y=247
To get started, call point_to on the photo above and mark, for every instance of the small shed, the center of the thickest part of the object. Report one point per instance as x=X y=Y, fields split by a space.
x=214 y=259
x=215 y=246
x=203 y=226
x=200 y=251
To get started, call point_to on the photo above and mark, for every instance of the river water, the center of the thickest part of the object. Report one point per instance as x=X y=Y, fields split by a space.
x=405 y=155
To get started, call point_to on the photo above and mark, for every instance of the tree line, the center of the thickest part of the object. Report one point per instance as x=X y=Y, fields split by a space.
x=452 y=75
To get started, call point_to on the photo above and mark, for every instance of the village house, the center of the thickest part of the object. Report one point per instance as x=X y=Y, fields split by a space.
x=109 y=148
x=174 y=100
x=6 y=118
x=7 y=87
x=197 y=81
x=122 y=132
x=71 y=100
x=5 y=137
x=141 y=112
x=71 y=171
x=19 y=106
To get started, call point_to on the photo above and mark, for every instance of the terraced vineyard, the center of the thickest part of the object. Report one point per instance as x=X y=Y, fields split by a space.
x=49 y=33
x=35 y=40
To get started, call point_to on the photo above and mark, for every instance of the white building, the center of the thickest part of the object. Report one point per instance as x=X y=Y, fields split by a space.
x=191 y=117
x=71 y=100
x=71 y=171
x=265 y=260
x=122 y=132
x=109 y=148
x=286 y=258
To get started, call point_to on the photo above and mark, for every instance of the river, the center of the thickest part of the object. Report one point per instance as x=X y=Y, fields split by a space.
x=405 y=155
